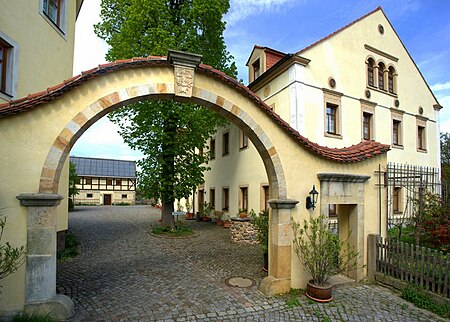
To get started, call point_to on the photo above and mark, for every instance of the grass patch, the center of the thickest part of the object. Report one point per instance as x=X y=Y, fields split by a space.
x=293 y=297
x=71 y=249
x=420 y=299
x=33 y=318
x=178 y=231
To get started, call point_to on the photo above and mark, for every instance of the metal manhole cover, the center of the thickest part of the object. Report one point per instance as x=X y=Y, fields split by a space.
x=240 y=281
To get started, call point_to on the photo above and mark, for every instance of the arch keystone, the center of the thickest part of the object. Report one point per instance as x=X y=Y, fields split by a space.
x=184 y=71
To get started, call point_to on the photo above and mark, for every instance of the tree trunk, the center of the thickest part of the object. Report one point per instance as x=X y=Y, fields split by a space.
x=168 y=171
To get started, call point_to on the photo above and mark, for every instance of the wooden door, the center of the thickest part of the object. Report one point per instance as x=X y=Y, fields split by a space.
x=107 y=200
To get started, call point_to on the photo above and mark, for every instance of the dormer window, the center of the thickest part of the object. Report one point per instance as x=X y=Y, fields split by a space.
x=256 y=69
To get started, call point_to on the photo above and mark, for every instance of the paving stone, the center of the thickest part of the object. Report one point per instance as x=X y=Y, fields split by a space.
x=125 y=274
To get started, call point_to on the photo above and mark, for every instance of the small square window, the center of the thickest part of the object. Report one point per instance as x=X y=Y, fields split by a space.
x=89 y=195
x=118 y=182
x=124 y=196
x=109 y=182
x=88 y=180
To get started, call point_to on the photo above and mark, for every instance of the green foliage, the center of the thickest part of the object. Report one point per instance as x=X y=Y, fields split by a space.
x=11 y=258
x=33 y=318
x=179 y=231
x=206 y=211
x=293 y=299
x=261 y=222
x=420 y=299
x=73 y=177
x=322 y=253
x=71 y=248
x=168 y=133
x=445 y=156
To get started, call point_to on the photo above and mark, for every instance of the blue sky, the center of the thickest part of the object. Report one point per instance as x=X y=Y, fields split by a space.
x=288 y=26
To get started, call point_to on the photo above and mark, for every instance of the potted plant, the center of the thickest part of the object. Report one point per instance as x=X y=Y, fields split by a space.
x=261 y=223
x=226 y=218
x=242 y=213
x=323 y=255
x=218 y=216
x=189 y=214
x=206 y=212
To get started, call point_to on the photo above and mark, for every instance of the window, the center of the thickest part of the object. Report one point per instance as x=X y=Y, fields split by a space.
x=367 y=125
x=370 y=72
x=225 y=143
x=88 y=180
x=118 y=182
x=331 y=122
x=396 y=132
x=421 y=138
x=8 y=67
x=225 y=199
x=381 y=76
x=124 y=196
x=265 y=193
x=55 y=12
x=109 y=182
x=243 y=140
x=212 y=198
x=332 y=212
x=201 y=199
x=244 y=198
x=396 y=200
x=212 y=148
x=256 y=69
x=391 y=80
x=89 y=195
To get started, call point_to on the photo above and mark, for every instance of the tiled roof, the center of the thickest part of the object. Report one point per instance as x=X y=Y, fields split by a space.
x=96 y=167
x=354 y=153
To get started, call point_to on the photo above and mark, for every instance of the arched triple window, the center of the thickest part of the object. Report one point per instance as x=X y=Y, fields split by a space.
x=381 y=82
x=370 y=72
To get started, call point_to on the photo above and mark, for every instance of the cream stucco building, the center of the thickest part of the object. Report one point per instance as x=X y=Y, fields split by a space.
x=358 y=83
x=36 y=51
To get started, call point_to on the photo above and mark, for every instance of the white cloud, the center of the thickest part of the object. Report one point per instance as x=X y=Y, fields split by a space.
x=440 y=86
x=241 y=9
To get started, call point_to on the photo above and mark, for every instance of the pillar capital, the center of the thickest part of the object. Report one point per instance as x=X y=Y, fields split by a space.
x=39 y=199
x=282 y=203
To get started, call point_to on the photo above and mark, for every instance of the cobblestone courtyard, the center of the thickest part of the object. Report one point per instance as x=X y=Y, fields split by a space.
x=125 y=274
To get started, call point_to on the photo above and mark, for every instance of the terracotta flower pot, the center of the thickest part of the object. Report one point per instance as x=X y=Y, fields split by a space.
x=205 y=219
x=319 y=293
x=219 y=222
x=226 y=224
x=243 y=215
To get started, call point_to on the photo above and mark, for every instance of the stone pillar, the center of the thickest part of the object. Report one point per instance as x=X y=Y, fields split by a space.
x=280 y=245
x=40 y=292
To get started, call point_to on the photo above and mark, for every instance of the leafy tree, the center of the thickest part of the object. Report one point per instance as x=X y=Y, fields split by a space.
x=73 y=178
x=168 y=133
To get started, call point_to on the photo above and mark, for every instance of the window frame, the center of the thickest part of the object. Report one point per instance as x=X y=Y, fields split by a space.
x=396 y=132
x=60 y=25
x=89 y=195
x=243 y=198
x=332 y=99
x=212 y=198
x=367 y=124
x=371 y=72
x=265 y=195
x=10 y=69
x=243 y=140
x=126 y=196
x=334 y=109
x=225 y=198
x=256 y=68
x=381 y=81
x=396 y=200
x=421 y=136
x=212 y=148
x=225 y=143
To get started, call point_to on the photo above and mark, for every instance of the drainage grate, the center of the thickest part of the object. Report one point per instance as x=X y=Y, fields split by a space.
x=240 y=281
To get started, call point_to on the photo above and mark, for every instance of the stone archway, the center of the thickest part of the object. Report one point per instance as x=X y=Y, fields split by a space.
x=41 y=261
x=43 y=127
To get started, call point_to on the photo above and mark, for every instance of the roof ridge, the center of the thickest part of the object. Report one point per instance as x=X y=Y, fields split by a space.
x=339 y=30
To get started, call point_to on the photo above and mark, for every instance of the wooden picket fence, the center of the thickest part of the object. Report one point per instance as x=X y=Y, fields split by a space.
x=422 y=266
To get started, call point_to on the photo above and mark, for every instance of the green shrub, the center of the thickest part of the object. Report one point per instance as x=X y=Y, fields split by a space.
x=71 y=248
x=178 y=231
x=420 y=299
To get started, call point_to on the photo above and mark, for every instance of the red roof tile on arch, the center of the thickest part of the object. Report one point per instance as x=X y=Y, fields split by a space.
x=355 y=153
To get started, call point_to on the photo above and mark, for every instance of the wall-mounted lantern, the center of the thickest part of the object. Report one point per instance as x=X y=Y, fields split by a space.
x=311 y=200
